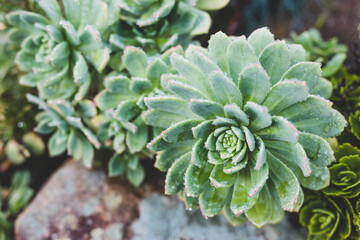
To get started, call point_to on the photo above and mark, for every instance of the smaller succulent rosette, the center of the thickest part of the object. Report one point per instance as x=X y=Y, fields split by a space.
x=58 y=50
x=158 y=25
x=244 y=127
x=345 y=173
x=327 y=218
x=120 y=125
x=69 y=132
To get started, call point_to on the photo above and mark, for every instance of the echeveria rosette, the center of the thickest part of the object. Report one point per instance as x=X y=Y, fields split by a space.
x=243 y=127
x=120 y=125
x=327 y=218
x=345 y=173
x=58 y=50
x=158 y=25
x=69 y=132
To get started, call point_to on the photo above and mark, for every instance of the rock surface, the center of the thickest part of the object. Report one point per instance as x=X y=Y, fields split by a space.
x=78 y=204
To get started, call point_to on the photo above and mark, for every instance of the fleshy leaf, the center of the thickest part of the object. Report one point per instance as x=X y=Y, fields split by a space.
x=254 y=83
x=175 y=176
x=308 y=72
x=258 y=115
x=135 y=61
x=206 y=108
x=281 y=129
x=218 y=45
x=226 y=90
x=212 y=200
x=240 y=54
x=261 y=212
x=180 y=131
x=196 y=179
x=285 y=181
x=260 y=38
x=275 y=59
x=281 y=95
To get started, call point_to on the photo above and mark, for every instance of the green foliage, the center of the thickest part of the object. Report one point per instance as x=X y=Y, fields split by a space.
x=327 y=218
x=12 y=201
x=244 y=127
x=330 y=53
x=158 y=25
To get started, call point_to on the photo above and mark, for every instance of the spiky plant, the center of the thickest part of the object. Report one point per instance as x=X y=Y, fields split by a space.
x=244 y=127
x=157 y=25
x=120 y=126
x=58 y=50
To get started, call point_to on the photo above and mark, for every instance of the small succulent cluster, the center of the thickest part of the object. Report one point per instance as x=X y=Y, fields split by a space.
x=64 y=50
x=240 y=127
x=236 y=136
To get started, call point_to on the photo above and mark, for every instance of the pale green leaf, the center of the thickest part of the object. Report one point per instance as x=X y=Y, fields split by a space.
x=258 y=116
x=275 y=59
x=260 y=38
x=284 y=94
x=308 y=72
x=280 y=129
x=175 y=176
x=254 y=83
x=240 y=54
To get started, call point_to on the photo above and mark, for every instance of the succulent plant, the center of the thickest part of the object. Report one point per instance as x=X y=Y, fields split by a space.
x=330 y=53
x=327 y=218
x=345 y=176
x=57 y=51
x=158 y=25
x=243 y=127
x=69 y=133
x=120 y=126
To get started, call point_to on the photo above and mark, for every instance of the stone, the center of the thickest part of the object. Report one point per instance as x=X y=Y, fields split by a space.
x=81 y=204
